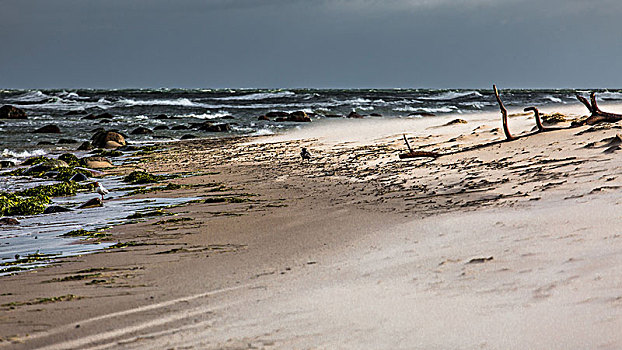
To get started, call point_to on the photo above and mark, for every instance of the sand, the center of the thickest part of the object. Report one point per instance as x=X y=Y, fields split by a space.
x=511 y=246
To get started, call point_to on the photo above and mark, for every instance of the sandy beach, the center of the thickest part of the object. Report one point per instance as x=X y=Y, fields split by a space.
x=515 y=245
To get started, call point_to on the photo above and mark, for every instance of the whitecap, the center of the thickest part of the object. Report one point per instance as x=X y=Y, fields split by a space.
x=258 y=96
x=177 y=102
x=443 y=109
x=553 y=99
x=609 y=95
x=208 y=115
x=31 y=96
x=7 y=153
x=451 y=95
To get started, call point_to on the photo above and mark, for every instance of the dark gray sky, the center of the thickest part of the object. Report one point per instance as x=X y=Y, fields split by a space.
x=310 y=43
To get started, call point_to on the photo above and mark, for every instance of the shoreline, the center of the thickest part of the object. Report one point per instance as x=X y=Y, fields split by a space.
x=344 y=246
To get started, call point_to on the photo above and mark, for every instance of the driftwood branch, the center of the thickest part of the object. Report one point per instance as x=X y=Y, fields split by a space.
x=596 y=115
x=417 y=154
x=504 y=115
x=536 y=114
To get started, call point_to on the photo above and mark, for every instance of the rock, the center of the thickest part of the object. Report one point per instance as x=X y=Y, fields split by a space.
x=8 y=221
x=89 y=116
x=162 y=117
x=92 y=203
x=105 y=121
x=354 y=115
x=161 y=127
x=55 y=209
x=277 y=115
x=263 y=117
x=228 y=117
x=333 y=116
x=6 y=163
x=85 y=146
x=141 y=131
x=105 y=115
x=66 y=141
x=188 y=137
x=70 y=159
x=79 y=177
x=45 y=166
x=44 y=143
x=107 y=139
x=48 y=129
x=179 y=127
x=456 y=121
x=215 y=127
x=299 y=116
x=96 y=162
x=376 y=115
x=10 y=112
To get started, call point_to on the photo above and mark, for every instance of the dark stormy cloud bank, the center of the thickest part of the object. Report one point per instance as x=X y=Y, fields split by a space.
x=310 y=43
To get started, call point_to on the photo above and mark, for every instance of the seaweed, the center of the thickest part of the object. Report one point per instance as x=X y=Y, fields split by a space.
x=12 y=204
x=107 y=153
x=142 y=177
x=67 y=297
x=70 y=159
x=85 y=233
x=170 y=221
x=168 y=187
x=36 y=160
x=73 y=278
x=30 y=258
x=66 y=173
x=126 y=244
x=68 y=188
x=157 y=212
x=225 y=200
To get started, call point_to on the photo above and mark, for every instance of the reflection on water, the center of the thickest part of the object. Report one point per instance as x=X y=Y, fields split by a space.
x=42 y=233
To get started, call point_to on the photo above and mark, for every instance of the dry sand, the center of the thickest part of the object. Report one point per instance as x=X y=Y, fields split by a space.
x=512 y=246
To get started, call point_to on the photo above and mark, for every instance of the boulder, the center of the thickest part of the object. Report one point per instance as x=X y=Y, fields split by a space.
x=223 y=127
x=161 y=127
x=162 y=117
x=85 y=146
x=277 y=115
x=48 y=129
x=92 y=203
x=55 y=209
x=188 y=137
x=354 y=115
x=107 y=139
x=6 y=163
x=141 y=131
x=96 y=162
x=105 y=115
x=228 y=117
x=67 y=141
x=333 y=116
x=10 y=112
x=376 y=115
x=79 y=177
x=263 y=117
x=299 y=116
x=89 y=116
x=179 y=127
x=8 y=221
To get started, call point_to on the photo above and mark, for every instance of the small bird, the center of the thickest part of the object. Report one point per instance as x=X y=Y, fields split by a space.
x=304 y=154
x=101 y=190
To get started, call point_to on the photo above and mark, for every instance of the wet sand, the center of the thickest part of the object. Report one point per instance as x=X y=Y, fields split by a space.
x=515 y=245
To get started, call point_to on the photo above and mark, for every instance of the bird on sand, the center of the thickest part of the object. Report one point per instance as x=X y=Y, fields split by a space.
x=101 y=190
x=304 y=154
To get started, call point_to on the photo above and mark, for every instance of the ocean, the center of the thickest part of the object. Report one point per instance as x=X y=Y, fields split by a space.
x=240 y=108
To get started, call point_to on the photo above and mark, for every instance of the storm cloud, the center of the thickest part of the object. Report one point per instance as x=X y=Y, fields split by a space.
x=310 y=43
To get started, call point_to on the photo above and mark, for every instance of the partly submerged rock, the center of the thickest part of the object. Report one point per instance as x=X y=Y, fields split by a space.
x=108 y=139
x=85 y=146
x=223 y=127
x=160 y=127
x=55 y=209
x=96 y=162
x=67 y=141
x=48 y=129
x=141 y=131
x=456 y=121
x=6 y=163
x=354 y=115
x=92 y=203
x=45 y=166
x=79 y=177
x=11 y=112
x=188 y=137
x=8 y=221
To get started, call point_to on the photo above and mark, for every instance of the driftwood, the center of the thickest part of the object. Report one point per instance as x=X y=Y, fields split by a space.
x=597 y=116
x=504 y=115
x=536 y=114
x=417 y=154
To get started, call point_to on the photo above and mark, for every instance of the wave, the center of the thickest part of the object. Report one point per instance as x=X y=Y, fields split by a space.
x=219 y=114
x=553 y=99
x=184 y=102
x=609 y=95
x=444 y=109
x=257 y=96
x=7 y=153
x=452 y=95
x=71 y=95
x=31 y=96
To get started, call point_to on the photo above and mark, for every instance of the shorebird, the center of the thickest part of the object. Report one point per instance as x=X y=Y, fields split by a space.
x=101 y=190
x=304 y=154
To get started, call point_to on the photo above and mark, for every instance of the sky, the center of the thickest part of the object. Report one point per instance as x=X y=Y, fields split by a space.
x=310 y=43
